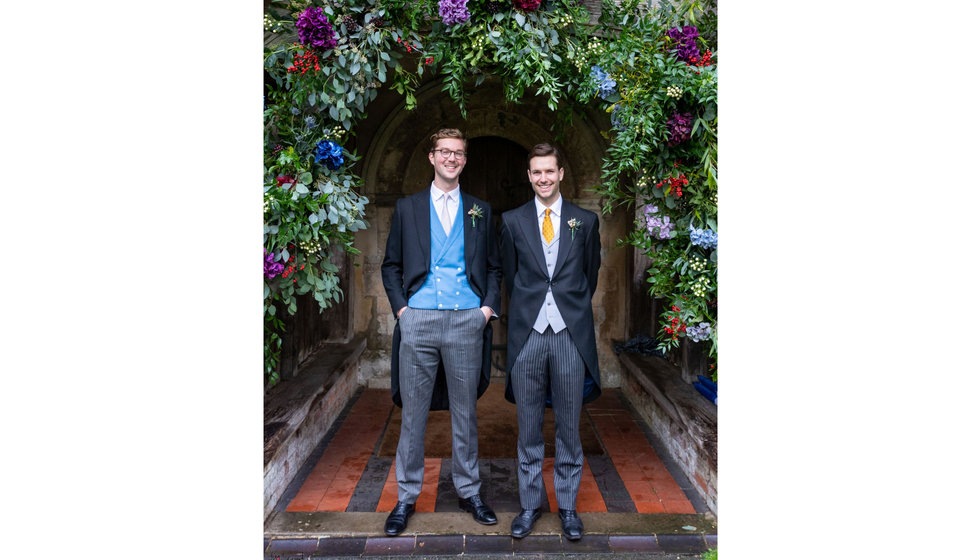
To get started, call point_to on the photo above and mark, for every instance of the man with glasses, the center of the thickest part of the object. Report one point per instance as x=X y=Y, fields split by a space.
x=441 y=272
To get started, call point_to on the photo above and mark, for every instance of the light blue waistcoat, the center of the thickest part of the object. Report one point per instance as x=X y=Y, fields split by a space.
x=446 y=286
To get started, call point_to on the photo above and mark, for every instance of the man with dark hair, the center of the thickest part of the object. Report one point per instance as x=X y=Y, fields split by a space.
x=441 y=272
x=550 y=253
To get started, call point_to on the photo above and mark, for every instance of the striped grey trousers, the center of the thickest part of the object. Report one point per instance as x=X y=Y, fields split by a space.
x=548 y=361
x=455 y=337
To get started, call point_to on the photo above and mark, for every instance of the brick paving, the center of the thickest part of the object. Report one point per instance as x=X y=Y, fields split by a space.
x=349 y=476
x=656 y=505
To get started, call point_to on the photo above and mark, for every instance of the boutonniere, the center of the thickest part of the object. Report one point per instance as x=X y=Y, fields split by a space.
x=573 y=225
x=475 y=212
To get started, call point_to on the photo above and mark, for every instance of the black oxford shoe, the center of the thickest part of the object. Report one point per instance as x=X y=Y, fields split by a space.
x=521 y=526
x=571 y=525
x=398 y=518
x=481 y=511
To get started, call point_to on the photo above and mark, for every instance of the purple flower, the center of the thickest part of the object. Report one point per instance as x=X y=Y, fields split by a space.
x=699 y=332
x=453 y=11
x=657 y=223
x=271 y=268
x=314 y=29
x=685 y=42
x=679 y=126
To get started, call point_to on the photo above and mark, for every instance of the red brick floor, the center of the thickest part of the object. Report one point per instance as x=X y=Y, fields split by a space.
x=333 y=480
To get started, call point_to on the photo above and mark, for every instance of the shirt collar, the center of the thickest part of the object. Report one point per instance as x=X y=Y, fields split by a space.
x=555 y=208
x=437 y=193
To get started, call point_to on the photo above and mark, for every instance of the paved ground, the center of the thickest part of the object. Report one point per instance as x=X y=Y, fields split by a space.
x=635 y=502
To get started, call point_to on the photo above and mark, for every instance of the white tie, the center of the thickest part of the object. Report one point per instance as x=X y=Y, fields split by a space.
x=447 y=222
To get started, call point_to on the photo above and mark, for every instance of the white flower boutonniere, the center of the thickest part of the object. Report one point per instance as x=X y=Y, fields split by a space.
x=573 y=225
x=474 y=213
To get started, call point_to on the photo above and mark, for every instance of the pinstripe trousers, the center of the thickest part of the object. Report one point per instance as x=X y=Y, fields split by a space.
x=548 y=362
x=455 y=337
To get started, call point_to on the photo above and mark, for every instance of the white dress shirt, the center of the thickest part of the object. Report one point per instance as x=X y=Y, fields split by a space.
x=446 y=205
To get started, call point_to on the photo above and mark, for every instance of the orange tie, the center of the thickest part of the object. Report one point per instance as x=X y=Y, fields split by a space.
x=547 y=229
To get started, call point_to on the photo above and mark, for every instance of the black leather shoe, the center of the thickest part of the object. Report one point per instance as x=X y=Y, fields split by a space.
x=571 y=525
x=481 y=511
x=398 y=518
x=521 y=526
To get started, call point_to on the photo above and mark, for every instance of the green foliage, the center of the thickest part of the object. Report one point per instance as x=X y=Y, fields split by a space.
x=645 y=166
x=553 y=52
x=711 y=554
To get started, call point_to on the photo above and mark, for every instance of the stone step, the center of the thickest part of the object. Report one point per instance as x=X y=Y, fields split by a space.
x=443 y=533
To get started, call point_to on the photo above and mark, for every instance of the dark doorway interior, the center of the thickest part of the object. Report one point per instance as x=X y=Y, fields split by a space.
x=496 y=171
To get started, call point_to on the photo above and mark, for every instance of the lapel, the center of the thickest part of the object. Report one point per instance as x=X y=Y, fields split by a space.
x=421 y=205
x=565 y=239
x=528 y=219
x=469 y=232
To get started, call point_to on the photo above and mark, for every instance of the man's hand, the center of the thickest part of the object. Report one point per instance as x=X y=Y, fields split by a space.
x=487 y=312
x=402 y=310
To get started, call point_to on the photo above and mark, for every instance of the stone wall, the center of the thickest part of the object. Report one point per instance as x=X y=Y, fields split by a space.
x=680 y=417
x=299 y=413
x=395 y=164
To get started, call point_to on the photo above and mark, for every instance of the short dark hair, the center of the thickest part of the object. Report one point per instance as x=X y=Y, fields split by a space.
x=544 y=150
x=446 y=133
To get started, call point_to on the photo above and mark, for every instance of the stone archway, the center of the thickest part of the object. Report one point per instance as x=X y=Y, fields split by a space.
x=395 y=165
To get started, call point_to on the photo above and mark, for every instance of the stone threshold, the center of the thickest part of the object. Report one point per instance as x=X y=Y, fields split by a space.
x=455 y=533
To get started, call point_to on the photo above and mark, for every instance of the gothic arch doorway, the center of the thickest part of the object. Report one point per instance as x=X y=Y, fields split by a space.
x=496 y=171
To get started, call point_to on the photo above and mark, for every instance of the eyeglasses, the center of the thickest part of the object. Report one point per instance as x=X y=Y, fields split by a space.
x=446 y=153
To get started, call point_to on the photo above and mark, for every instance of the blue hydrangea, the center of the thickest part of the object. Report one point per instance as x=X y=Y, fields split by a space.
x=704 y=238
x=604 y=83
x=329 y=153
x=616 y=118
x=698 y=333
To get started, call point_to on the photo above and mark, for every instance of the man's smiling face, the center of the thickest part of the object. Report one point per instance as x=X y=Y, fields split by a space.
x=448 y=168
x=545 y=177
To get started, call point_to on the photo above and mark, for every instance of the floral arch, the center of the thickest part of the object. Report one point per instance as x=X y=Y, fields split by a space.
x=650 y=67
